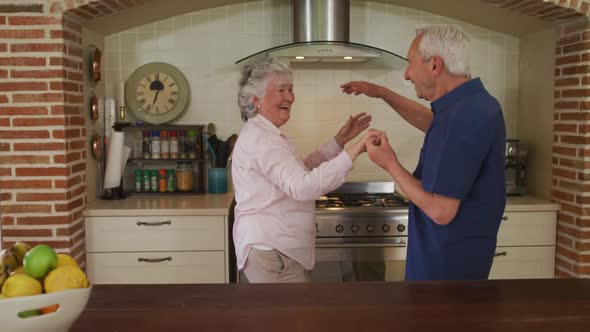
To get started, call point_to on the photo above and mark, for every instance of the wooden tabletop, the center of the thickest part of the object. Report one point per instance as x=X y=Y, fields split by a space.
x=501 y=305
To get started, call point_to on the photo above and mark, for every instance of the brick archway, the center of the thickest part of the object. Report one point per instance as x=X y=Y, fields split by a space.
x=43 y=135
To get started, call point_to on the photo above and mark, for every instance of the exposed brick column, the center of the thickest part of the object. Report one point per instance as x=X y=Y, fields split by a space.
x=571 y=151
x=42 y=136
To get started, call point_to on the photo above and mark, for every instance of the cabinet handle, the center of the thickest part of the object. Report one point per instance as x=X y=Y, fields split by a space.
x=503 y=253
x=505 y=218
x=154 y=260
x=154 y=223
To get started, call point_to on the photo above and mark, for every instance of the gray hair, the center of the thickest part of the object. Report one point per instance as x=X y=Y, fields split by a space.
x=254 y=80
x=449 y=42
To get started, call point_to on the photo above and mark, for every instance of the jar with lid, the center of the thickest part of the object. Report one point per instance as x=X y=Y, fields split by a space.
x=184 y=176
x=146 y=183
x=138 y=180
x=155 y=144
x=173 y=144
x=164 y=145
x=154 y=180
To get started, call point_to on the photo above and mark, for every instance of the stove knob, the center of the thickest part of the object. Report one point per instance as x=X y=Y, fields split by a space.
x=401 y=228
x=370 y=228
x=354 y=228
x=386 y=228
x=339 y=229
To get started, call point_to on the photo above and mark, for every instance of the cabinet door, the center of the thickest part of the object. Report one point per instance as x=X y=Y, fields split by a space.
x=527 y=228
x=156 y=267
x=523 y=263
x=154 y=233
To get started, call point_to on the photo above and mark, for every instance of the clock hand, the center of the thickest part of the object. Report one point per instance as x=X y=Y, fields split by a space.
x=156 y=97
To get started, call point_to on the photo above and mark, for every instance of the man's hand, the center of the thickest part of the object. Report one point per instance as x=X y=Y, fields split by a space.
x=380 y=152
x=366 y=88
x=359 y=146
x=354 y=126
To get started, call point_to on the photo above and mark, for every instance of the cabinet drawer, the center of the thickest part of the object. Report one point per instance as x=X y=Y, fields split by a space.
x=523 y=263
x=166 y=268
x=156 y=233
x=527 y=228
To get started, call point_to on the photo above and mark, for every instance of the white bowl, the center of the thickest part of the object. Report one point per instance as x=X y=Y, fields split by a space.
x=71 y=304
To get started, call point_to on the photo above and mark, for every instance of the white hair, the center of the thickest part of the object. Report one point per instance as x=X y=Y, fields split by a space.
x=254 y=81
x=450 y=43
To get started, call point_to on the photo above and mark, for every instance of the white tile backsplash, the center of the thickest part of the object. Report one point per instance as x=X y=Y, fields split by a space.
x=205 y=45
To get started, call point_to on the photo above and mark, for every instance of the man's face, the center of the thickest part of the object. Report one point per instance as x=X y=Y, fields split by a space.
x=419 y=72
x=277 y=101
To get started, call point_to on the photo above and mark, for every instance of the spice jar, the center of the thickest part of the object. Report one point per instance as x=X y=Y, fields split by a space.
x=184 y=176
x=162 y=186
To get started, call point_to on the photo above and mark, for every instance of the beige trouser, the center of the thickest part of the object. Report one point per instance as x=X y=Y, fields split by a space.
x=271 y=266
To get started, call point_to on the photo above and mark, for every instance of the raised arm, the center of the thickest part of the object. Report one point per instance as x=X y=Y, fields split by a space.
x=415 y=113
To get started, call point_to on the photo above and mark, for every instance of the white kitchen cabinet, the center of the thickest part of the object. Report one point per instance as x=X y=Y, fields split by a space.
x=526 y=246
x=157 y=249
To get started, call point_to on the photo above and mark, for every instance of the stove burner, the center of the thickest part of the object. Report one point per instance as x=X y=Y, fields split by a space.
x=360 y=200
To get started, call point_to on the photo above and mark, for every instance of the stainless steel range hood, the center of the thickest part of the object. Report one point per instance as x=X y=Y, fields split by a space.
x=321 y=31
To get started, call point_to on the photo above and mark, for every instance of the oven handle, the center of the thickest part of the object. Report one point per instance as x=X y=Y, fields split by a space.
x=363 y=245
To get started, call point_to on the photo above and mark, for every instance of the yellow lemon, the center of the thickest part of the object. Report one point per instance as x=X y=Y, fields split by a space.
x=21 y=285
x=65 y=277
x=65 y=259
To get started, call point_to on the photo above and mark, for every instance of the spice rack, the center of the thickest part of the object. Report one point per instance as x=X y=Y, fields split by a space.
x=148 y=152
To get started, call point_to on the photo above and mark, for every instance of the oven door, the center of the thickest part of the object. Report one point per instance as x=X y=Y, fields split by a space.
x=359 y=259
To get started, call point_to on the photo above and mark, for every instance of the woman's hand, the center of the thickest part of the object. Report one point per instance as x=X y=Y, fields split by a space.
x=354 y=126
x=360 y=146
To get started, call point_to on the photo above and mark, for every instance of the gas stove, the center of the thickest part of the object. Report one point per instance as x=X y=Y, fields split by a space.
x=362 y=210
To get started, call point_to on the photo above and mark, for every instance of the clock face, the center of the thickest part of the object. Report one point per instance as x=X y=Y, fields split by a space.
x=156 y=92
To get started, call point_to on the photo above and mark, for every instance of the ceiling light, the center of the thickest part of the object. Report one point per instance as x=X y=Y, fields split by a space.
x=299 y=57
x=347 y=58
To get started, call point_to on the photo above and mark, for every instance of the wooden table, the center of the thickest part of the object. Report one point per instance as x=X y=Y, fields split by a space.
x=500 y=305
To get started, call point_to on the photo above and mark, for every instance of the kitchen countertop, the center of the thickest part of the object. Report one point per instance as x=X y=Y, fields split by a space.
x=218 y=204
x=159 y=205
x=496 y=305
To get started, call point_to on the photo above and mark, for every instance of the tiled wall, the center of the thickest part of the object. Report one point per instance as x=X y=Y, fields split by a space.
x=205 y=45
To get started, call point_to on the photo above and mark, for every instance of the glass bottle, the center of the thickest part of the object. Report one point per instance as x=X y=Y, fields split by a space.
x=173 y=144
x=155 y=144
x=170 y=180
x=146 y=181
x=192 y=144
x=182 y=152
x=154 y=181
x=162 y=181
x=138 y=180
x=164 y=145
x=147 y=145
x=137 y=145
x=184 y=176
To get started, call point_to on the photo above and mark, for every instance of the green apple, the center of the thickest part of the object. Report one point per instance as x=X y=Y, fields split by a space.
x=39 y=261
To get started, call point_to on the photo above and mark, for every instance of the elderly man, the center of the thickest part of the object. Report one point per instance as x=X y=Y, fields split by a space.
x=457 y=190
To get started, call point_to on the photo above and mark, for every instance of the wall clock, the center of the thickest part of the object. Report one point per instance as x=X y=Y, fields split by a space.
x=157 y=92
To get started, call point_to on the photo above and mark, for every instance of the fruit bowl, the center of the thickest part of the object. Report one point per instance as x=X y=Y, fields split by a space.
x=71 y=304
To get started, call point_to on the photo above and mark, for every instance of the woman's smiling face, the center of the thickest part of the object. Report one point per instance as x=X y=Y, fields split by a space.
x=277 y=100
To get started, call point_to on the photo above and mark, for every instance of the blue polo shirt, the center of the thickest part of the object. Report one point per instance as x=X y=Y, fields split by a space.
x=462 y=157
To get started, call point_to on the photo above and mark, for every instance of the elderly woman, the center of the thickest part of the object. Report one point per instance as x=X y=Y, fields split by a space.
x=274 y=232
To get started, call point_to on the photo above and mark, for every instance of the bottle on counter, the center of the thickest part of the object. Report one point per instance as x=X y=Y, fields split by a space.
x=147 y=145
x=154 y=181
x=162 y=181
x=184 y=176
x=146 y=183
x=138 y=180
x=173 y=144
x=155 y=144
x=164 y=145
x=182 y=152
x=170 y=180
x=191 y=145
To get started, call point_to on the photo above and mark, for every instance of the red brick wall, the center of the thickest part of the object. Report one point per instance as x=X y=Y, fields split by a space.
x=571 y=177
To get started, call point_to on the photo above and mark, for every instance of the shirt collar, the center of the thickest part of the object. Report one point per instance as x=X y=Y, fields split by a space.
x=266 y=124
x=459 y=92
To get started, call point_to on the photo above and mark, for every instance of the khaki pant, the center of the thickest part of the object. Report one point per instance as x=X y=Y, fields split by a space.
x=270 y=266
